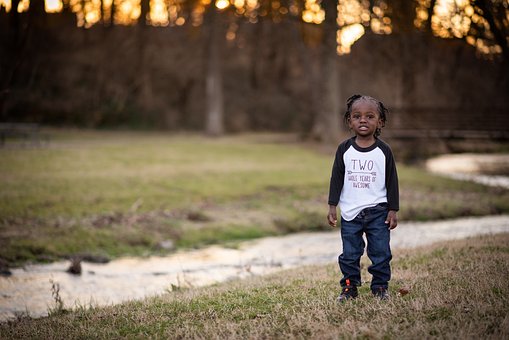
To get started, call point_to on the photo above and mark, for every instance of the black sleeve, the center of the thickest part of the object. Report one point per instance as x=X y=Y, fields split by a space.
x=337 y=177
x=391 y=179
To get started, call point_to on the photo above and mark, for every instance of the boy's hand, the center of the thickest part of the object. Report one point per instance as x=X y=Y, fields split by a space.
x=392 y=219
x=332 y=217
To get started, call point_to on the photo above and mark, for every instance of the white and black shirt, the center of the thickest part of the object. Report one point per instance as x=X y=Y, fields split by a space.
x=363 y=177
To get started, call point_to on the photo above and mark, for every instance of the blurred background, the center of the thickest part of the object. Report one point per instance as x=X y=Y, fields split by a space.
x=222 y=66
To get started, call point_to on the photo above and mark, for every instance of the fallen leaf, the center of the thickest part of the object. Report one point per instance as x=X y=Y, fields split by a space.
x=404 y=291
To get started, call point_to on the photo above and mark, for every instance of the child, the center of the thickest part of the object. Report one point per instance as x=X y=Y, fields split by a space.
x=364 y=182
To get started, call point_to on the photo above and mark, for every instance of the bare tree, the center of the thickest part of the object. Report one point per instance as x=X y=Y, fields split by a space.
x=326 y=125
x=214 y=124
x=144 y=79
x=113 y=9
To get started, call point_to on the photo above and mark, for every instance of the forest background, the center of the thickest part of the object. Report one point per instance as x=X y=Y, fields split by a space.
x=441 y=66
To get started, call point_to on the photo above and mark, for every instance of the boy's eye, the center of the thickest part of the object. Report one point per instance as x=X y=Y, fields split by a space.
x=358 y=116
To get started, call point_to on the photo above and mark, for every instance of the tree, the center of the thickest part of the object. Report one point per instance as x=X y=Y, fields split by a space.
x=214 y=124
x=480 y=23
x=320 y=89
x=113 y=9
x=144 y=80
x=496 y=14
x=326 y=122
x=14 y=20
x=327 y=119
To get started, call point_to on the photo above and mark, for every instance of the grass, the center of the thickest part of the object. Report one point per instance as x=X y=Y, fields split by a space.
x=456 y=289
x=119 y=193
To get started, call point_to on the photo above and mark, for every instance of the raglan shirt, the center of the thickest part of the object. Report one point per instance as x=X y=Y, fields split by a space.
x=363 y=177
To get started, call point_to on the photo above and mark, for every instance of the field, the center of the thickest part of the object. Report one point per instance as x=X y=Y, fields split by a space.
x=117 y=193
x=450 y=290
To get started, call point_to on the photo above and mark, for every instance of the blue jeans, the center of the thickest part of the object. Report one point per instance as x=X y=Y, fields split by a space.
x=370 y=221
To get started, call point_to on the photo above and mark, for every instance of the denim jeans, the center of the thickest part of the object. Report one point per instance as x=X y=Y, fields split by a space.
x=370 y=221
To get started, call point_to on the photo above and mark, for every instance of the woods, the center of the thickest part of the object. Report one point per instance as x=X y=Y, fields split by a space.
x=254 y=65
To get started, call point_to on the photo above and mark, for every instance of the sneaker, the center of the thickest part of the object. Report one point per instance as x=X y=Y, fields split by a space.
x=381 y=293
x=348 y=292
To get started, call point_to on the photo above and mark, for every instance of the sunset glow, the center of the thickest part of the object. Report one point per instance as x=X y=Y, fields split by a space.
x=347 y=36
x=222 y=4
x=451 y=18
x=158 y=15
x=247 y=8
x=352 y=12
x=23 y=6
x=53 y=6
x=313 y=12
x=197 y=14
x=354 y=16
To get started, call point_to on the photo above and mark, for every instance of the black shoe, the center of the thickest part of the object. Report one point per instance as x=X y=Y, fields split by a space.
x=381 y=293
x=348 y=292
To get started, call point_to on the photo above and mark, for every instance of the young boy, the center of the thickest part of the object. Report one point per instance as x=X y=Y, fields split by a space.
x=364 y=182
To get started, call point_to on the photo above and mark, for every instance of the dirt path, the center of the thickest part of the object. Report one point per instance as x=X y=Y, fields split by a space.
x=487 y=169
x=29 y=289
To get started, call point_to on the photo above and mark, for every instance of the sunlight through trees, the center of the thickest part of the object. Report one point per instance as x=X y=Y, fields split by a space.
x=460 y=19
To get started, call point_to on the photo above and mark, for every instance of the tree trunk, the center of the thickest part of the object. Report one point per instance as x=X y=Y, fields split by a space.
x=326 y=127
x=145 y=8
x=112 y=14
x=145 y=89
x=14 y=21
x=431 y=10
x=102 y=13
x=403 y=15
x=404 y=29
x=12 y=56
x=37 y=14
x=214 y=124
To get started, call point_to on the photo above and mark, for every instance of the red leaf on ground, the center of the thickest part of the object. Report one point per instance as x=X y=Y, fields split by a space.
x=404 y=291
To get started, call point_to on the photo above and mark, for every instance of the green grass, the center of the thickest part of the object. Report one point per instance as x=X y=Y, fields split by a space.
x=456 y=289
x=118 y=193
x=82 y=177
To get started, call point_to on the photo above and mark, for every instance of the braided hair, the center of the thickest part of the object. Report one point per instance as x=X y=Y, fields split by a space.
x=382 y=110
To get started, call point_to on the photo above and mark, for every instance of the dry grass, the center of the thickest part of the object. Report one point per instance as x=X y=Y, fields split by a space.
x=118 y=193
x=456 y=290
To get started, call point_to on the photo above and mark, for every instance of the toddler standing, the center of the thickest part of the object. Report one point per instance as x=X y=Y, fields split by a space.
x=364 y=182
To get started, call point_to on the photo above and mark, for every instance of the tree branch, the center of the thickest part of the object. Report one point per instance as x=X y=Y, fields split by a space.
x=497 y=33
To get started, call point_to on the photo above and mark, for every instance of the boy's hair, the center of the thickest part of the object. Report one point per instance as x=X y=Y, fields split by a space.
x=382 y=110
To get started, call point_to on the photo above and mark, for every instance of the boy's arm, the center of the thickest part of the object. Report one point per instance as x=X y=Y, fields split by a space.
x=336 y=185
x=336 y=181
x=392 y=185
x=391 y=182
x=332 y=217
x=392 y=219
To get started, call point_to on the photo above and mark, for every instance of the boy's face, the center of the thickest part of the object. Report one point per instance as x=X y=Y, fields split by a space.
x=364 y=118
